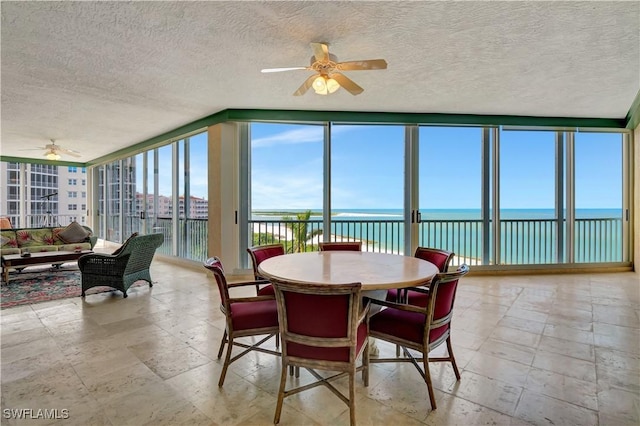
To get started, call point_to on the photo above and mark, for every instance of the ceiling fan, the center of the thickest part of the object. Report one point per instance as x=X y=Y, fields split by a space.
x=53 y=151
x=328 y=79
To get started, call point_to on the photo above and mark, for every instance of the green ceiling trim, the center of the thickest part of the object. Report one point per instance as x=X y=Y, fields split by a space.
x=162 y=139
x=419 y=118
x=303 y=116
x=39 y=161
x=633 y=116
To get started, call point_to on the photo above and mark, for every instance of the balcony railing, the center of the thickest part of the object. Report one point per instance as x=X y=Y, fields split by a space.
x=522 y=241
x=45 y=220
x=192 y=235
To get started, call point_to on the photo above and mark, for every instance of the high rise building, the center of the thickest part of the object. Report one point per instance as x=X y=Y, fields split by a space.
x=49 y=195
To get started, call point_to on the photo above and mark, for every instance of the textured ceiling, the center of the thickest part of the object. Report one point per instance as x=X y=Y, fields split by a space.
x=101 y=76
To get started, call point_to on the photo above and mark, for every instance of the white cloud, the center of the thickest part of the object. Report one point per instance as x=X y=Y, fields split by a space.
x=306 y=134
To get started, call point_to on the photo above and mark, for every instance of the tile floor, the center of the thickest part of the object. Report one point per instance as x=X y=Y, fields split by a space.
x=548 y=350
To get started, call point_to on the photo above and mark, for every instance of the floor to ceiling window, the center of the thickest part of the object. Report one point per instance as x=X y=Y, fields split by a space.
x=494 y=196
x=367 y=181
x=599 y=213
x=286 y=180
x=450 y=170
x=193 y=203
x=528 y=180
x=162 y=190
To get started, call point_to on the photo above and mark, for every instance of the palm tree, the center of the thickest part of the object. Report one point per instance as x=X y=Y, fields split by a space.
x=300 y=230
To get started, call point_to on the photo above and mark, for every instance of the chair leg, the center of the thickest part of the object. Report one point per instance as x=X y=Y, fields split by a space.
x=365 y=366
x=283 y=379
x=453 y=359
x=224 y=339
x=427 y=378
x=277 y=341
x=227 y=358
x=352 y=397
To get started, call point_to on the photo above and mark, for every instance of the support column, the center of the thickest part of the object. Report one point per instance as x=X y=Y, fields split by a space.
x=223 y=194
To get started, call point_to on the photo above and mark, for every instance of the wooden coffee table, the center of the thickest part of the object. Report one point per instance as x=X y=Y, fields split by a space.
x=53 y=257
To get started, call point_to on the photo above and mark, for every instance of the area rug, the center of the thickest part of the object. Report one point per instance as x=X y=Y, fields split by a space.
x=35 y=285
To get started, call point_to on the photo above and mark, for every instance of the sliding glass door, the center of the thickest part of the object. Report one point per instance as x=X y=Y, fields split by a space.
x=450 y=171
x=286 y=185
x=367 y=179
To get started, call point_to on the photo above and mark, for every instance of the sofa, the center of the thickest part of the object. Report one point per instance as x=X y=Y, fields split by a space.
x=70 y=238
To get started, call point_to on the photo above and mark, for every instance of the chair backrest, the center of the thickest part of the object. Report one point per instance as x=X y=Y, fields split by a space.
x=261 y=253
x=341 y=246
x=140 y=250
x=319 y=322
x=440 y=258
x=442 y=295
x=214 y=264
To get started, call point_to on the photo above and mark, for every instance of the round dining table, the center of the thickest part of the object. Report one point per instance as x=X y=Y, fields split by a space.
x=375 y=271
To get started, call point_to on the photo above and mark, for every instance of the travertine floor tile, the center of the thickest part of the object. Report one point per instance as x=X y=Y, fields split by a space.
x=561 y=349
x=543 y=410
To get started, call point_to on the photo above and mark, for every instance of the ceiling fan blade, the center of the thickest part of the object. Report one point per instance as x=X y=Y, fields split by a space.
x=348 y=84
x=69 y=152
x=305 y=86
x=367 y=64
x=320 y=51
x=266 y=70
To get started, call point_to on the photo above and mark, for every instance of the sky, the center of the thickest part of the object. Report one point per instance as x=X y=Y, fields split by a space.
x=367 y=168
x=368 y=162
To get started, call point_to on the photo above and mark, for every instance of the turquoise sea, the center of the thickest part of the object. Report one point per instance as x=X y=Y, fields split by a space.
x=528 y=236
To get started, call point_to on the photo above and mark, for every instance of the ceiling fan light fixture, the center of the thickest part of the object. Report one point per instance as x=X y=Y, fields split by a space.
x=324 y=85
x=52 y=155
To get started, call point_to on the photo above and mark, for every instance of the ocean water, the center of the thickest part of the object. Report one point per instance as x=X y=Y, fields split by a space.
x=528 y=236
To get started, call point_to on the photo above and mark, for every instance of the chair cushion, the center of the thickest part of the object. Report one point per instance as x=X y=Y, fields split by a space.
x=324 y=316
x=8 y=240
x=249 y=315
x=75 y=246
x=9 y=251
x=267 y=291
x=265 y=253
x=35 y=249
x=415 y=298
x=33 y=237
x=405 y=325
x=73 y=233
x=327 y=354
x=438 y=259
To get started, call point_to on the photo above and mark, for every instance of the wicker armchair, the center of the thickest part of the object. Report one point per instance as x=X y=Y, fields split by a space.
x=120 y=270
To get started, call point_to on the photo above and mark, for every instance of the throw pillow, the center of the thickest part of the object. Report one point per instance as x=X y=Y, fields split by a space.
x=5 y=223
x=135 y=234
x=73 y=233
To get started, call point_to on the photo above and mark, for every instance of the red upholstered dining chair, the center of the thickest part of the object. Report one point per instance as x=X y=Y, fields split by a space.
x=258 y=255
x=322 y=328
x=421 y=328
x=341 y=246
x=245 y=317
x=441 y=258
